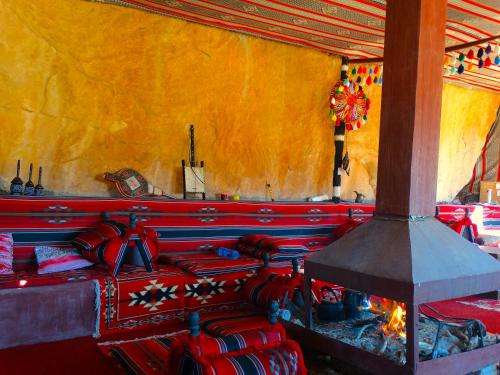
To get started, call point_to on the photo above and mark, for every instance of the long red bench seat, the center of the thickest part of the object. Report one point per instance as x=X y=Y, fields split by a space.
x=182 y=225
x=194 y=280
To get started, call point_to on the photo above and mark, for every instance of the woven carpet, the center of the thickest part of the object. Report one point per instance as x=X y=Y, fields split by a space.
x=485 y=310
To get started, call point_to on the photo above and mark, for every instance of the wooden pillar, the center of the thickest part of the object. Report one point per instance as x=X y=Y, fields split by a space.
x=411 y=107
x=339 y=138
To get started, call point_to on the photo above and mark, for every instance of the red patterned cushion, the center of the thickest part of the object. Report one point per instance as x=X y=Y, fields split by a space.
x=345 y=228
x=462 y=225
x=267 y=287
x=273 y=358
x=284 y=245
x=254 y=239
x=6 y=253
x=285 y=359
x=224 y=323
x=114 y=250
x=55 y=259
x=89 y=241
x=208 y=263
x=239 y=341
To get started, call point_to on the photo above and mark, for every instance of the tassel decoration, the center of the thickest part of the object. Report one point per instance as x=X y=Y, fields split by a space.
x=480 y=53
x=358 y=80
x=375 y=80
x=470 y=54
x=480 y=63
x=460 y=69
x=453 y=59
x=376 y=69
x=461 y=57
x=353 y=71
x=497 y=60
x=487 y=62
x=488 y=49
x=369 y=80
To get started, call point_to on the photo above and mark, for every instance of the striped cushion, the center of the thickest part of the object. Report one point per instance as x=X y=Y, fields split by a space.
x=281 y=360
x=207 y=263
x=345 y=228
x=284 y=245
x=254 y=239
x=89 y=241
x=263 y=289
x=6 y=253
x=261 y=252
x=239 y=341
x=225 y=323
x=54 y=259
x=114 y=251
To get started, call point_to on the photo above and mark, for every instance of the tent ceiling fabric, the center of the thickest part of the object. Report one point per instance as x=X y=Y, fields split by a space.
x=353 y=28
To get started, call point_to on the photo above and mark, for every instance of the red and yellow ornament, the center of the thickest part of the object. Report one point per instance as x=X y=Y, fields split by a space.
x=348 y=103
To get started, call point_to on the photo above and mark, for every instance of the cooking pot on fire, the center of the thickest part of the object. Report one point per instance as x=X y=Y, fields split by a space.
x=330 y=309
x=354 y=303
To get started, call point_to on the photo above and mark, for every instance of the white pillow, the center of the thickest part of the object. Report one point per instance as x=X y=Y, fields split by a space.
x=56 y=259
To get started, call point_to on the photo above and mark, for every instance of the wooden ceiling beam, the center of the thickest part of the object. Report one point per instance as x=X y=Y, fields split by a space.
x=447 y=50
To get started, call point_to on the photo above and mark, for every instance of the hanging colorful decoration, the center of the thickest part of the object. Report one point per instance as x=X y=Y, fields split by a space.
x=348 y=103
x=367 y=75
x=466 y=61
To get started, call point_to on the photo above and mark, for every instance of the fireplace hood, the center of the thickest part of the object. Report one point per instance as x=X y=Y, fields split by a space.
x=406 y=259
x=403 y=253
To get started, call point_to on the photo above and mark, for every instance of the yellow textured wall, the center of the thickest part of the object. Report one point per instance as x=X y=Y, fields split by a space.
x=87 y=88
x=466 y=117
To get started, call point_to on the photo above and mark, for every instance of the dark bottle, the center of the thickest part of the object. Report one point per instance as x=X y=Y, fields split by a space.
x=29 y=188
x=39 y=187
x=16 y=185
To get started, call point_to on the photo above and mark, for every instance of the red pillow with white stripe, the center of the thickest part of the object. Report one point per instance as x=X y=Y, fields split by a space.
x=55 y=259
x=6 y=253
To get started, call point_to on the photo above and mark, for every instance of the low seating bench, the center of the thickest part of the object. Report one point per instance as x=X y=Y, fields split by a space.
x=187 y=280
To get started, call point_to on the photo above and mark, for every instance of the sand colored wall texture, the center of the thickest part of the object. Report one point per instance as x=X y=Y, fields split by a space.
x=87 y=88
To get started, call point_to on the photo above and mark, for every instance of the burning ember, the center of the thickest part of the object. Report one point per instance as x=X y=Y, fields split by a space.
x=394 y=316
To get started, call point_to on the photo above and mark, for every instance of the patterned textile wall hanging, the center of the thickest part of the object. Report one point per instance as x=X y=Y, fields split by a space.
x=487 y=167
x=352 y=28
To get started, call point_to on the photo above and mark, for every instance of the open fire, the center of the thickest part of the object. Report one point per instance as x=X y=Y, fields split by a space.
x=394 y=314
x=380 y=328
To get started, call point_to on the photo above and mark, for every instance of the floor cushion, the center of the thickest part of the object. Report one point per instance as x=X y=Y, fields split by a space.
x=6 y=253
x=88 y=241
x=135 y=298
x=224 y=323
x=285 y=359
x=207 y=263
x=215 y=292
x=54 y=259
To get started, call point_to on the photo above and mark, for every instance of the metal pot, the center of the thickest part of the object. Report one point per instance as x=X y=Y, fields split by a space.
x=354 y=303
x=328 y=310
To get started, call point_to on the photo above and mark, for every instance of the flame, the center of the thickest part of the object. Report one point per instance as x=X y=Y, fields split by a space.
x=395 y=316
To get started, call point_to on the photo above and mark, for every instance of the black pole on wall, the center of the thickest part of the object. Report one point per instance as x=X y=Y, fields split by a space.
x=339 y=137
